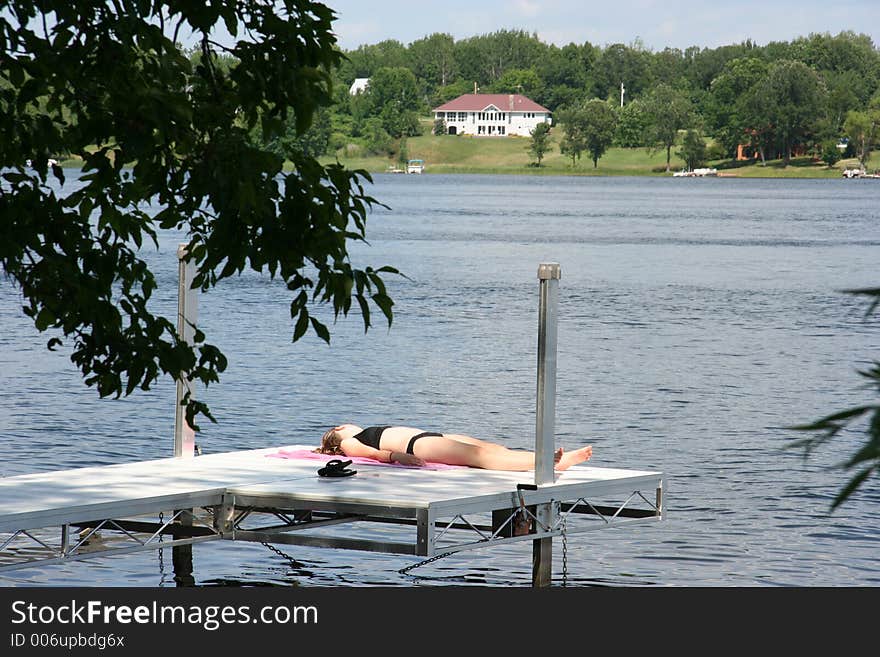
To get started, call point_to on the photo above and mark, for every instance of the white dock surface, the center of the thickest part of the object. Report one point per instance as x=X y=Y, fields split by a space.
x=83 y=494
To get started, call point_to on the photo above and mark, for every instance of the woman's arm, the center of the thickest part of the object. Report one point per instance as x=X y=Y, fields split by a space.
x=407 y=459
x=354 y=447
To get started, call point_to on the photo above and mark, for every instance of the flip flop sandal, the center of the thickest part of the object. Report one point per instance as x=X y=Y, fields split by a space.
x=336 y=468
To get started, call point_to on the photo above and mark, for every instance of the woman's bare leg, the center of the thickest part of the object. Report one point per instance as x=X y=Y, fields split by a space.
x=470 y=440
x=562 y=462
x=465 y=450
x=574 y=457
x=445 y=449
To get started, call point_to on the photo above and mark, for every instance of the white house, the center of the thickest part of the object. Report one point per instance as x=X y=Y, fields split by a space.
x=491 y=115
x=358 y=86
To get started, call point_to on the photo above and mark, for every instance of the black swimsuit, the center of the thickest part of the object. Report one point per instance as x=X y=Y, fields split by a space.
x=371 y=436
x=412 y=441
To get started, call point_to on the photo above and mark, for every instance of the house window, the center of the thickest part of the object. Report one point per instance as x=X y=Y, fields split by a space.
x=480 y=129
x=501 y=130
x=462 y=116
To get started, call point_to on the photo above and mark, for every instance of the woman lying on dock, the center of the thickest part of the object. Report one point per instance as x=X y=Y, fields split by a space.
x=409 y=446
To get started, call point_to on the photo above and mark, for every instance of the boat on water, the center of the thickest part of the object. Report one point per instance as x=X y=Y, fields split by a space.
x=859 y=173
x=415 y=166
x=696 y=173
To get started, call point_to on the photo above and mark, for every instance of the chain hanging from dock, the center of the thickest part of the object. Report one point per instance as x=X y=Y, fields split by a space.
x=406 y=570
x=564 y=553
x=293 y=562
x=161 y=551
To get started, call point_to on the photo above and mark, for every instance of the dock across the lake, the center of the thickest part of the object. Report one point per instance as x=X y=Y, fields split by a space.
x=275 y=495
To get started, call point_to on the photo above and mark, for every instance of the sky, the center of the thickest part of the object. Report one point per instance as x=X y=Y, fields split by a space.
x=657 y=24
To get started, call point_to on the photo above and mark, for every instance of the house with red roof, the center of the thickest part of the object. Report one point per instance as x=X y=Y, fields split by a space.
x=491 y=115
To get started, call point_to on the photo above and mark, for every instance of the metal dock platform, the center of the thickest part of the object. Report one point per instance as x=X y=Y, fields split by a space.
x=248 y=495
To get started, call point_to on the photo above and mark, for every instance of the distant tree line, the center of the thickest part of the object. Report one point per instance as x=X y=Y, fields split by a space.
x=780 y=100
x=783 y=99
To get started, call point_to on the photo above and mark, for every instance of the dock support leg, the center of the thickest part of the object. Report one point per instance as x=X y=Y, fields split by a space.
x=182 y=556
x=424 y=533
x=224 y=516
x=542 y=549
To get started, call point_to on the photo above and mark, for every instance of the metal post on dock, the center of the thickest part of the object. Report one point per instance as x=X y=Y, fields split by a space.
x=549 y=275
x=184 y=435
x=187 y=314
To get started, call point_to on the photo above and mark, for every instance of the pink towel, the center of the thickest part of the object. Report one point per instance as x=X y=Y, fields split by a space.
x=284 y=453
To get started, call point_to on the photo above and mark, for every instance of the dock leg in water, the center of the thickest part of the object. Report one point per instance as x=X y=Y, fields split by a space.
x=182 y=557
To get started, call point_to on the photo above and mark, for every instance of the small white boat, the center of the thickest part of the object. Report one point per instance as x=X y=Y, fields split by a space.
x=696 y=173
x=415 y=166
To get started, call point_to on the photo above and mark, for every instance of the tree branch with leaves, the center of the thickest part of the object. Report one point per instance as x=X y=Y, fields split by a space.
x=865 y=460
x=164 y=145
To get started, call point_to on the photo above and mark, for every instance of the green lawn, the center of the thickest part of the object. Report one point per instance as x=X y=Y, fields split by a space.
x=465 y=154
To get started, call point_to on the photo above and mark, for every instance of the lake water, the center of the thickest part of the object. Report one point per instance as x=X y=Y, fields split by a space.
x=697 y=319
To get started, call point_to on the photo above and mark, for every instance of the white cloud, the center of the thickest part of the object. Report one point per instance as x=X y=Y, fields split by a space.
x=527 y=8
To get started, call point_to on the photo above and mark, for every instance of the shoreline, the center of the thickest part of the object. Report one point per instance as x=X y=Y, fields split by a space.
x=770 y=174
x=800 y=168
x=510 y=156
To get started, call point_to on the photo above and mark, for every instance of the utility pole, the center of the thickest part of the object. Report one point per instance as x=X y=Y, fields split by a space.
x=621 y=93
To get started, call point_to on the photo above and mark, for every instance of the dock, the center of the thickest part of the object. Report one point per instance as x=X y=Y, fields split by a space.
x=275 y=494
x=249 y=495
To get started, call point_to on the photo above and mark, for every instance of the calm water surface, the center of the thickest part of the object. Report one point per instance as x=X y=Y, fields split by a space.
x=697 y=318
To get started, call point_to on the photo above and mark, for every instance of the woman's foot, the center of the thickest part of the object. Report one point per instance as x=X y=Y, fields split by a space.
x=568 y=459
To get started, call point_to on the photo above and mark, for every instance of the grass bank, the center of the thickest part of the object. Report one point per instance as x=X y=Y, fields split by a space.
x=509 y=155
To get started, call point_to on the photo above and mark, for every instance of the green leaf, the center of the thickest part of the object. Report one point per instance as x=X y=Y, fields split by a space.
x=365 y=310
x=385 y=303
x=302 y=325
x=320 y=330
x=45 y=318
x=851 y=486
